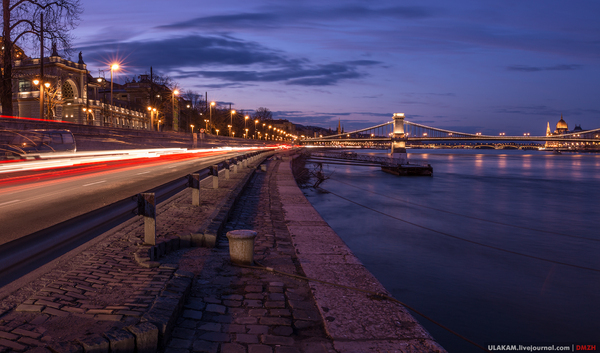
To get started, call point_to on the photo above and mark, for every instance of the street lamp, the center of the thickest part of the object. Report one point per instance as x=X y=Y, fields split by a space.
x=206 y=121
x=229 y=127
x=113 y=68
x=175 y=92
x=245 y=127
x=217 y=130
x=212 y=104
x=254 y=134
x=232 y=112
x=159 y=121
x=246 y=133
x=192 y=126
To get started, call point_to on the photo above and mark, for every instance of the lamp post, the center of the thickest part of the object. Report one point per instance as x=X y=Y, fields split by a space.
x=113 y=67
x=152 y=112
x=254 y=134
x=175 y=125
x=231 y=122
x=192 y=126
x=217 y=130
x=206 y=121
x=246 y=133
x=212 y=104
x=159 y=121
x=229 y=127
x=245 y=122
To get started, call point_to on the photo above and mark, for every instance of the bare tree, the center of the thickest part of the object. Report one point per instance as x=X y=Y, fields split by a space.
x=22 y=24
x=263 y=113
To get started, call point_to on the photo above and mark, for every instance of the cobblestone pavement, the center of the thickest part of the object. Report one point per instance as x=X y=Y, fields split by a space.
x=233 y=309
x=102 y=288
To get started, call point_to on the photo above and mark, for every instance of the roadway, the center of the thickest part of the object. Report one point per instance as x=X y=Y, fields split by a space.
x=34 y=200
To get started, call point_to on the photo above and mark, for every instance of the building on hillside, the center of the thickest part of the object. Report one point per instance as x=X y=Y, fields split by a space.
x=71 y=95
x=151 y=96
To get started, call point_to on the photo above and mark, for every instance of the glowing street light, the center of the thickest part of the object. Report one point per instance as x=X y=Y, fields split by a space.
x=175 y=92
x=229 y=127
x=212 y=104
x=254 y=134
x=113 y=67
x=192 y=126
x=217 y=130
x=206 y=121
x=232 y=112
x=245 y=122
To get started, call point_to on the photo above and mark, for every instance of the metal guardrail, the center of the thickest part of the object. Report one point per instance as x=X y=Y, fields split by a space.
x=22 y=255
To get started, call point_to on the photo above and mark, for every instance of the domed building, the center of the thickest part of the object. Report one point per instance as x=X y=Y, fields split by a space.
x=562 y=128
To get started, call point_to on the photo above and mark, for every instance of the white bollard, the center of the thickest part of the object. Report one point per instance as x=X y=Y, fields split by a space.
x=241 y=246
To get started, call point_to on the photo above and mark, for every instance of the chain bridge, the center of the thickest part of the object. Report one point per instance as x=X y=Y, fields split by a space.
x=399 y=132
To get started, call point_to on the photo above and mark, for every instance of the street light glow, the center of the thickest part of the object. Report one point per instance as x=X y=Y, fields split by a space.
x=114 y=67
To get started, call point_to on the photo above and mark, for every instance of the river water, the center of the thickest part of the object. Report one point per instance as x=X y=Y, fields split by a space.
x=501 y=246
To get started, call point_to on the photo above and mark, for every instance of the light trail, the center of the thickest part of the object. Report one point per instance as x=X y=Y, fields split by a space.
x=98 y=182
x=59 y=160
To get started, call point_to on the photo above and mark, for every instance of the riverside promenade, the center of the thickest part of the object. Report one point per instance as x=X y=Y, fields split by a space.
x=112 y=296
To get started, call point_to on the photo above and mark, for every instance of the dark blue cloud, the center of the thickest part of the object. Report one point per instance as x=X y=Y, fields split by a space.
x=525 y=68
x=285 y=16
x=195 y=51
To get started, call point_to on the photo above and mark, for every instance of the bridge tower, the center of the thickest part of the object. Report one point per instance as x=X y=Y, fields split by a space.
x=398 y=143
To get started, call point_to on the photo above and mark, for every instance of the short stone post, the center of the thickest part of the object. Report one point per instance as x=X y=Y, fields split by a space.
x=194 y=183
x=235 y=166
x=214 y=170
x=245 y=163
x=263 y=167
x=147 y=208
x=241 y=246
x=226 y=168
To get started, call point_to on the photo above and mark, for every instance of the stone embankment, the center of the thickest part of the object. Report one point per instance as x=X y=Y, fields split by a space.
x=110 y=297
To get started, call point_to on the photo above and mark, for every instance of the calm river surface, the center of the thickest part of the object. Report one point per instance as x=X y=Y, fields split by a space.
x=526 y=202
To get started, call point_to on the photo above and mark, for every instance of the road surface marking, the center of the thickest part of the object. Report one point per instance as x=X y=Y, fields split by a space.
x=8 y=203
x=98 y=182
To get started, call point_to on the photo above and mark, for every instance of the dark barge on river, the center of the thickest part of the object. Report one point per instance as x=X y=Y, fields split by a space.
x=389 y=165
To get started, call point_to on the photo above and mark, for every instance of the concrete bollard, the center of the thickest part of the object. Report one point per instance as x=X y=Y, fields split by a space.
x=241 y=246
x=147 y=208
x=226 y=166
x=263 y=167
x=194 y=183
x=214 y=170
x=245 y=163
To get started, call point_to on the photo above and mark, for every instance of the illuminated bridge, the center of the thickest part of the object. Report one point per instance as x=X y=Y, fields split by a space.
x=399 y=132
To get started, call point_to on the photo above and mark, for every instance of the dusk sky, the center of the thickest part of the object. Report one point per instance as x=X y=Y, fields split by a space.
x=472 y=66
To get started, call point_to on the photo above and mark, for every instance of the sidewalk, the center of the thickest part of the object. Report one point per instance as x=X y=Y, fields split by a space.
x=233 y=309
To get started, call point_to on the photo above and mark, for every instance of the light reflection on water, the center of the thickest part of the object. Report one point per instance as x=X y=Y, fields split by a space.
x=527 y=202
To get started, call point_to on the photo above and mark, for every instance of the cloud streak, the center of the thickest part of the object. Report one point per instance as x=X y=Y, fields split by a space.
x=525 y=68
x=251 y=61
